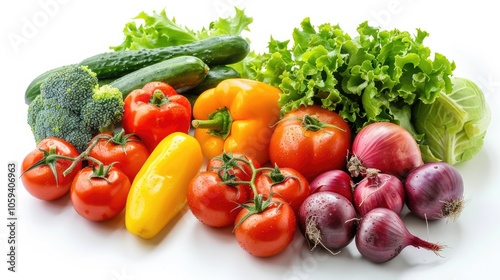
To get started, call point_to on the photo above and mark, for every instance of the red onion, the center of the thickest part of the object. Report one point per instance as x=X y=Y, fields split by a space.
x=434 y=191
x=382 y=235
x=327 y=219
x=385 y=146
x=336 y=180
x=379 y=190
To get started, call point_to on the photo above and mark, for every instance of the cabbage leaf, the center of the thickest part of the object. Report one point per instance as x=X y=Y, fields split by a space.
x=454 y=126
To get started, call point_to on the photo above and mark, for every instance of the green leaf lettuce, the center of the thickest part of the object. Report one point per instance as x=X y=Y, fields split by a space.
x=375 y=76
x=156 y=30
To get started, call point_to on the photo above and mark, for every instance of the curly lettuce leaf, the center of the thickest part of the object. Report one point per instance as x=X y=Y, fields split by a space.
x=156 y=30
x=234 y=25
x=375 y=76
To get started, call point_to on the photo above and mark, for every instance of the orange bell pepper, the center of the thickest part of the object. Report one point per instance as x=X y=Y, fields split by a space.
x=236 y=116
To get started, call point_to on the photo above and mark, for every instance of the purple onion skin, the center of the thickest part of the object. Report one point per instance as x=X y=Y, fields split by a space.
x=434 y=191
x=337 y=181
x=382 y=235
x=387 y=147
x=328 y=220
x=379 y=190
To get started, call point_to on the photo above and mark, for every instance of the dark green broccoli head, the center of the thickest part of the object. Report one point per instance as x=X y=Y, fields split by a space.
x=104 y=109
x=70 y=87
x=72 y=106
x=57 y=121
x=34 y=109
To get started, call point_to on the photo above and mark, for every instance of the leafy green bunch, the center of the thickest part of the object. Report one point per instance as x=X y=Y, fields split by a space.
x=375 y=76
x=156 y=30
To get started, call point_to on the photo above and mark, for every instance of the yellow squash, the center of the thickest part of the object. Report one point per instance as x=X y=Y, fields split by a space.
x=158 y=192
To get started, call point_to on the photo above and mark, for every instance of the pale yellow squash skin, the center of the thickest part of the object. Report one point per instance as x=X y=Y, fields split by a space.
x=158 y=192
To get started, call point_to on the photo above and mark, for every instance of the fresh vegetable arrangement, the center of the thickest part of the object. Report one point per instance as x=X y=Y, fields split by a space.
x=332 y=135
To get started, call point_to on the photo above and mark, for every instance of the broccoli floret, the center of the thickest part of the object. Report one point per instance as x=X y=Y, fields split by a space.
x=34 y=109
x=104 y=109
x=70 y=87
x=58 y=121
x=72 y=106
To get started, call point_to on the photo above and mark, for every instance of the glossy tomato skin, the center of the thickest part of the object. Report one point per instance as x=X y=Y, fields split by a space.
x=213 y=202
x=267 y=233
x=97 y=199
x=242 y=170
x=294 y=189
x=40 y=181
x=128 y=157
x=311 y=152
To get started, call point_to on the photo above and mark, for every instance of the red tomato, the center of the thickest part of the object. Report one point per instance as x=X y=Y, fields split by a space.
x=213 y=202
x=40 y=181
x=310 y=140
x=285 y=183
x=99 y=198
x=267 y=233
x=231 y=163
x=127 y=151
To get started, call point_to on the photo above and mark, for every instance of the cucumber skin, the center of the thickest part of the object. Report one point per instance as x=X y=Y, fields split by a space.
x=182 y=73
x=219 y=50
x=215 y=75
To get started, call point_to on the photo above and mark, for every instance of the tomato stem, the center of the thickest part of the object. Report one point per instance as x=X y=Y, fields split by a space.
x=122 y=139
x=101 y=171
x=313 y=123
x=258 y=204
x=229 y=162
x=84 y=154
x=276 y=176
x=310 y=122
x=50 y=158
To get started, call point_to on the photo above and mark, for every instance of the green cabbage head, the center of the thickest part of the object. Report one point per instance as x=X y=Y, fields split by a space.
x=454 y=125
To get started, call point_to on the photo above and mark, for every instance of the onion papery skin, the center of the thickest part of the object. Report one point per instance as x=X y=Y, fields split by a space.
x=328 y=220
x=336 y=180
x=434 y=191
x=387 y=147
x=379 y=190
x=382 y=235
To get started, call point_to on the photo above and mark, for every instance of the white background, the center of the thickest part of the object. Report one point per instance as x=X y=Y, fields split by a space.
x=55 y=243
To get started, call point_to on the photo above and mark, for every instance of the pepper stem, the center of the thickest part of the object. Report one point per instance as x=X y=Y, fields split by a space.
x=218 y=123
x=159 y=98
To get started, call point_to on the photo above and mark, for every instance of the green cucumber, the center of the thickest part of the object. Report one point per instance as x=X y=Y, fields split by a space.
x=215 y=75
x=182 y=73
x=217 y=50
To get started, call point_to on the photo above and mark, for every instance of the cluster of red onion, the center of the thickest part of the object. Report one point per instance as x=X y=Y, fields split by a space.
x=388 y=162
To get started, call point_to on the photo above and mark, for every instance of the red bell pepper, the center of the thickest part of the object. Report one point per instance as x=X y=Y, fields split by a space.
x=154 y=112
